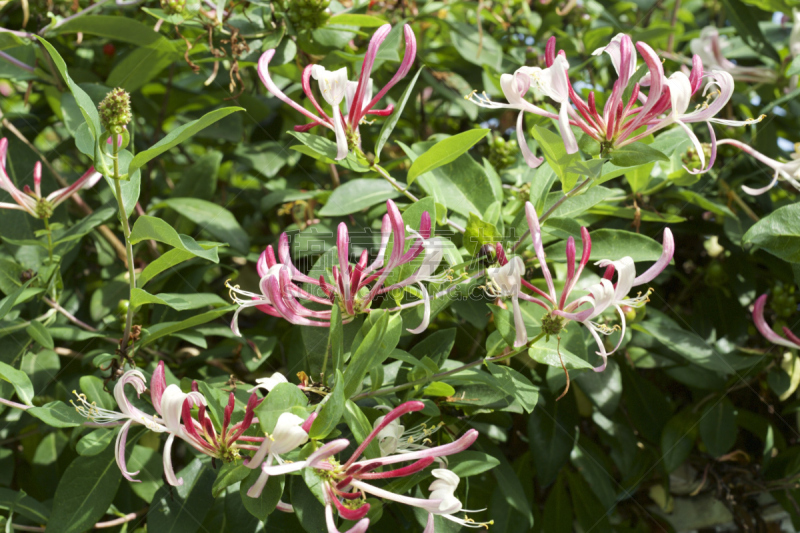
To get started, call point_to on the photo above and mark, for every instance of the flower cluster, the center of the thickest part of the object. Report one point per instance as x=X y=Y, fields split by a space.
x=345 y=485
x=622 y=121
x=174 y=407
x=506 y=281
x=32 y=201
x=352 y=288
x=335 y=87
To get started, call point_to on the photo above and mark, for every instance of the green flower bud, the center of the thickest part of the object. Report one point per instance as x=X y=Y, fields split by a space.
x=115 y=111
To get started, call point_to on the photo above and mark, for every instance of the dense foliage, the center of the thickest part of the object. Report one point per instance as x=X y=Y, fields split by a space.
x=405 y=265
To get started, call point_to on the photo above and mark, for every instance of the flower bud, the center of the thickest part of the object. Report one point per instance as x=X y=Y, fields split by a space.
x=115 y=111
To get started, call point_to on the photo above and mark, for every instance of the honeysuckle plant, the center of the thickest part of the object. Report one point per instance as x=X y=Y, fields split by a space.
x=357 y=324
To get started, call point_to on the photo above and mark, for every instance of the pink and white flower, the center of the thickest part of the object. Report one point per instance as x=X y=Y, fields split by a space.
x=621 y=122
x=506 y=281
x=352 y=288
x=790 y=341
x=335 y=87
x=32 y=201
x=345 y=484
x=710 y=48
x=175 y=409
x=788 y=172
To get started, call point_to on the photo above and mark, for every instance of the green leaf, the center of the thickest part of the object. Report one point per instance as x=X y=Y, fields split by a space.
x=86 y=105
x=571 y=348
x=153 y=228
x=57 y=414
x=479 y=233
x=718 y=427
x=182 y=509
x=636 y=154
x=178 y=135
x=390 y=123
x=558 y=509
x=745 y=21
x=444 y=152
x=382 y=337
x=93 y=388
x=778 y=233
x=357 y=195
x=212 y=218
x=648 y=407
x=229 y=474
x=471 y=463
x=515 y=384
x=552 y=146
x=283 y=398
x=179 y=302
x=40 y=334
x=116 y=28
x=8 y=303
x=331 y=413
x=164 y=329
x=95 y=442
x=84 y=493
x=438 y=388
x=352 y=19
x=677 y=439
x=167 y=260
x=359 y=425
x=265 y=504
x=20 y=381
x=551 y=430
x=19 y=502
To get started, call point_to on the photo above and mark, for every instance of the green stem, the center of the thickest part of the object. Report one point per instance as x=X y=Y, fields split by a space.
x=435 y=377
x=126 y=230
x=552 y=209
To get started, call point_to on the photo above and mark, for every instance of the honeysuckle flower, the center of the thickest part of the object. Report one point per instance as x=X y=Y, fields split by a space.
x=710 y=48
x=560 y=310
x=395 y=438
x=175 y=409
x=290 y=432
x=32 y=201
x=352 y=288
x=790 y=341
x=335 y=87
x=345 y=484
x=789 y=171
x=621 y=122
x=269 y=383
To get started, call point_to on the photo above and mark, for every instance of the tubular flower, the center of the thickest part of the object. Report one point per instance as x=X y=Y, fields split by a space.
x=345 y=485
x=790 y=341
x=710 y=48
x=789 y=171
x=32 y=201
x=620 y=122
x=175 y=409
x=506 y=281
x=335 y=87
x=352 y=288
x=290 y=432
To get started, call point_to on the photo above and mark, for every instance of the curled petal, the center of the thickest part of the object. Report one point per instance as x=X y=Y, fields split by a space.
x=527 y=154
x=158 y=382
x=763 y=327
x=659 y=266
x=263 y=73
x=397 y=412
x=459 y=445
x=119 y=452
x=426 y=313
x=538 y=247
x=169 y=472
